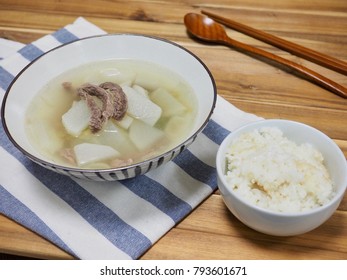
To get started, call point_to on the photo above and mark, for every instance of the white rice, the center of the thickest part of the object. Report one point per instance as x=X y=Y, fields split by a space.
x=272 y=172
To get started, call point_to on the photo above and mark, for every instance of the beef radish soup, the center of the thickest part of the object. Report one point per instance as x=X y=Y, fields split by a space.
x=110 y=114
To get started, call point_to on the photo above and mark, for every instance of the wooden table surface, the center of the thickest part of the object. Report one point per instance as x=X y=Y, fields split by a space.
x=210 y=231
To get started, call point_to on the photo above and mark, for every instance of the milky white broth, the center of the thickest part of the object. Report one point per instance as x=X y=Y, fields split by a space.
x=48 y=135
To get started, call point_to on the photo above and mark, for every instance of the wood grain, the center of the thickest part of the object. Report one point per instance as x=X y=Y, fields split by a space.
x=236 y=241
x=298 y=50
x=213 y=32
x=14 y=237
x=210 y=231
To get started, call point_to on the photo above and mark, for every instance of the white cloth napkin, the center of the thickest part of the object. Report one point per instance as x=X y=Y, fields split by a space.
x=111 y=220
x=8 y=47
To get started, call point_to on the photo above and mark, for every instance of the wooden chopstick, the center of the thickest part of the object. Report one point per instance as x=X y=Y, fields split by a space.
x=306 y=53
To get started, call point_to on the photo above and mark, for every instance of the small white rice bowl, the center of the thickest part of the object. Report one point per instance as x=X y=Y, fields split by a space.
x=281 y=177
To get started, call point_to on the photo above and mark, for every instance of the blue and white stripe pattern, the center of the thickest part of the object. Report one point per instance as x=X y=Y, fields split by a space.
x=106 y=220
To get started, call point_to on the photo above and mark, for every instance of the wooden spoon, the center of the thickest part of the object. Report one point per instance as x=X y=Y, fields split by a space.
x=205 y=28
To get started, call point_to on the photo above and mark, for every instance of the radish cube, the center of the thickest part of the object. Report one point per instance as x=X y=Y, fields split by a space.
x=117 y=138
x=141 y=107
x=125 y=122
x=144 y=135
x=88 y=153
x=169 y=104
x=141 y=90
x=76 y=119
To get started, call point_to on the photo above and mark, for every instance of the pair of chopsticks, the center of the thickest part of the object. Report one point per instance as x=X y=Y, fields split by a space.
x=306 y=53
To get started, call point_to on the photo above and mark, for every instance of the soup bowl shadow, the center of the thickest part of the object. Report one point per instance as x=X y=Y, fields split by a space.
x=155 y=50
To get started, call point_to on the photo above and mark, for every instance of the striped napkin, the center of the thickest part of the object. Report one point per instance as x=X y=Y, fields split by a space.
x=106 y=220
x=8 y=47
